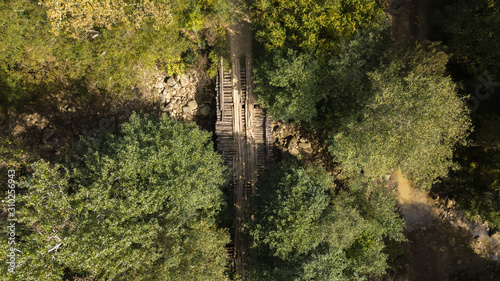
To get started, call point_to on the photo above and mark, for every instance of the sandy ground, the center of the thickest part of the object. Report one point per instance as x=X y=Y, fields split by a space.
x=415 y=206
x=442 y=246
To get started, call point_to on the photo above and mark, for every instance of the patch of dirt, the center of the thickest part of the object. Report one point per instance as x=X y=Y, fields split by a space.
x=442 y=244
x=50 y=131
x=443 y=252
x=408 y=19
x=240 y=36
x=415 y=207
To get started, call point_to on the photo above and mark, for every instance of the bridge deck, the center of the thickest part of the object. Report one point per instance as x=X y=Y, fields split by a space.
x=244 y=139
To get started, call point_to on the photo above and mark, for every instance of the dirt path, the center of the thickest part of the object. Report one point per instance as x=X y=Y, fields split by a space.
x=409 y=19
x=415 y=206
x=442 y=246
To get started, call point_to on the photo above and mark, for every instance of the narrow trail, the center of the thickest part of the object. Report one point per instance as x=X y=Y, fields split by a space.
x=443 y=243
x=243 y=131
x=416 y=208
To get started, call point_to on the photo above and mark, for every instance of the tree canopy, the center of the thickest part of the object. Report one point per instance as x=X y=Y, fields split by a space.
x=300 y=86
x=470 y=30
x=55 y=47
x=412 y=121
x=384 y=109
x=307 y=51
x=311 y=25
x=303 y=229
x=139 y=205
x=85 y=17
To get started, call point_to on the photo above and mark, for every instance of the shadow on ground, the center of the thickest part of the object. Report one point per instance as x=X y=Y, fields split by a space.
x=439 y=247
x=443 y=252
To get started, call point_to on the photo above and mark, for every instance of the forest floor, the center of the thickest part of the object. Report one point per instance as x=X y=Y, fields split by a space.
x=49 y=126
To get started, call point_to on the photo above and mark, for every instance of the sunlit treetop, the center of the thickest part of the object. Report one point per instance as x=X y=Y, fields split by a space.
x=83 y=17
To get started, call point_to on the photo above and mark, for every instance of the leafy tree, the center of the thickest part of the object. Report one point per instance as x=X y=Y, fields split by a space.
x=26 y=66
x=140 y=205
x=470 y=29
x=137 y=30
x=293 y=89
x=302 y=44
x=298 y=86
x=412 y=122
x=305 y=230
x=83 y=17
x=311 y=25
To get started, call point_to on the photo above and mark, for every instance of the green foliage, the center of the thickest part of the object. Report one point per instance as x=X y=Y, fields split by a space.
x=294 y=198
x=470 y=29
x=311 y=25
x=140 y=205
x=304 y=230
x=304 y=45
x=293 y=89
x=111 y=51
x=402 y=114
x=82 y=17
x=122 y=54
x=24 y=67
x=412 y=122
x=13 y=155
x=301 y=87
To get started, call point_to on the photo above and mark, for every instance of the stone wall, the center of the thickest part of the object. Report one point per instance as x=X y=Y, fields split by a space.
x=297 y=141
x=182 y=97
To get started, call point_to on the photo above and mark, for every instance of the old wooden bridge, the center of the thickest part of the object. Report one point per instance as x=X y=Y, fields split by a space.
x=244 y=139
